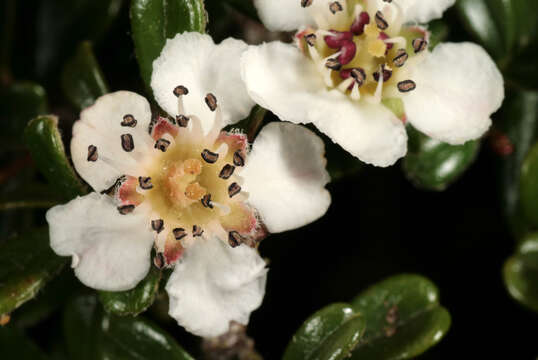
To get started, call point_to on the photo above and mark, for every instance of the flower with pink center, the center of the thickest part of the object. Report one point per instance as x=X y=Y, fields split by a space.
x=359 y=69
x=201 y=197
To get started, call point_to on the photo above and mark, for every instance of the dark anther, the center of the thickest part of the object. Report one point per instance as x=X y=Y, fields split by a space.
x=380 y=21
x=145 y=182
x=419 y=44
x=387 y=73
x=157 y=225
x=310 y=39
x=179 y=233
x=210 y=157
x=333 y=64
x=234 y=189
x=182 y=120
x=127 y=142
x=162 y=144
x=227 y=171
x=197 y=231
x=335 y=7
x=206 y=201
x=406 y=86
x=306 y=3
x=129 y=120
x=239 y=159
x=360 y=22
x=234 y=239
x=117 y=184
x=180 y=90
x=358 y=75
x=158 y=260
x=400 y=58
x=211 y=102
x=92 y=153
x=126 y=209
x=389 y=1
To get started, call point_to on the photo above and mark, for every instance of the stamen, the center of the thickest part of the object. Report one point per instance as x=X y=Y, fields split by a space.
x=306 y=3
x=162 y=144
x=224 y=208
x=145 y=183
x=348 y=52
x=346 y=84
x=387 y=73
x=126 y=209
x=206 y=201
x=239 y=159
x=117 y=184
x=419 y=44
x=92 y=153
x=234 y=239
x=182 y=120
x=380 y=21
x=179 y=233
x=234 y=189
x=129 y=120
x=385 y=38
x=333 y=64
x=159 y=261
x=227 y=171
x=400 y=58
x=358 y=75
x=197 y=231
x=337 y=39
x=406 y=86
x=211 y=102
x=157 y=225
x=360 y=22
x=335 y=7
x=210 y=157
x=310 y=39
x=127 y=142
x=181 y=90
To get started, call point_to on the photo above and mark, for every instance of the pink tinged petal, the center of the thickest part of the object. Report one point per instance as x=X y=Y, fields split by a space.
x=194 y=61
x=284 y=81
x=163 y=126
x=214 y=284
x=110 y=251
x=285 y=177
x=458 y=87
x=106 y=132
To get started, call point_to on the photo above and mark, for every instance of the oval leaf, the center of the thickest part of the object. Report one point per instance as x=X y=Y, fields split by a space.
x=403 y=317
x=82 y=79
x=521 y=273
x=433 y=165
x=331 y=333
x=27 y=263
x=154 y=21
x=43 y=139
x=529 y=186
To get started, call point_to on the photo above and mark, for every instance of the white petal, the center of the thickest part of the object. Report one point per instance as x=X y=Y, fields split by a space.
x=100 y=126
x=110 y=251
x=285 y=176
x=280 y=78
x=194 y=61
x=423 y=11
x=214 y=284
x=458 y=88
x=283 y=15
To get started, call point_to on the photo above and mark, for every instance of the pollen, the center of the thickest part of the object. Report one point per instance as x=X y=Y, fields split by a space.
x=195 y=192
x=377 y=48
x=192 y=166
x=371 y=30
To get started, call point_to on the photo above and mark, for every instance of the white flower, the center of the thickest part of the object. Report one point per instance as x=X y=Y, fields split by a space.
x=197 y=194
x=351 y=57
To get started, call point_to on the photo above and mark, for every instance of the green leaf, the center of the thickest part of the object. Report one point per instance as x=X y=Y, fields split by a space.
x=521 y=273
x=439 y=31
x=154 y=21
x=82 y=79
x=331 y=333
x=30 y=195
x=529 y=186
x=20 y=103
x=135 y=301
x=27 y=263
x=91 y=335
x=433 y=165
x=403 y=318
x=45 y=144
x=15 y=345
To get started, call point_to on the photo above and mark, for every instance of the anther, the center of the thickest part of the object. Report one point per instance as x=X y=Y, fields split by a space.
x=157 y=225
x=127 y=142
x=335 y=7
x=348 y=52
x=310 y=39
x=145 y=182
x=227 y=171
x=306 y=3
x=358 y=75
x=419 y=44
x=182 y=120
x=181 y=90
x=206 y=201
x=360 y=22
x=126 y=209
x=400 y=58
x=333 y=64
x=234 y=239
x=162 y=144
x=179 y=233
x=239 y=159
x=234 y=189
x=92 y=153
x=211 y=102
x=337 y=38
x=197 y=231
x=210 y=157
x=158 y=260
x=129 y=120
x=387 y=73
x=380 y=21
x=406 y=86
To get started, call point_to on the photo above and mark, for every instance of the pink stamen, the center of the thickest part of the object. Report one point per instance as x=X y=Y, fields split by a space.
x=360 y=22
x=349 y=49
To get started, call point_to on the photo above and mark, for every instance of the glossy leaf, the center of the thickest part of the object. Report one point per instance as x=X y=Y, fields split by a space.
x=331 y=333
x=43 y=139
x=14 y=345
x=91 y=334
x=135 y=301
x=27 y=263
x=521 y=273
x=403 y=318
x=529 y=186
x=433 y=165
x=82 y=79
x=154 y=21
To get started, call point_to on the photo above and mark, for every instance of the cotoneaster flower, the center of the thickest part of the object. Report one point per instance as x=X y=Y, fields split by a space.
x=198 y=195
x=357 y=63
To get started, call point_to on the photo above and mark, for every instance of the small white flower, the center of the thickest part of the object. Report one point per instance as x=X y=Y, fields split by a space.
x=197 y=194
x=351 y=57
